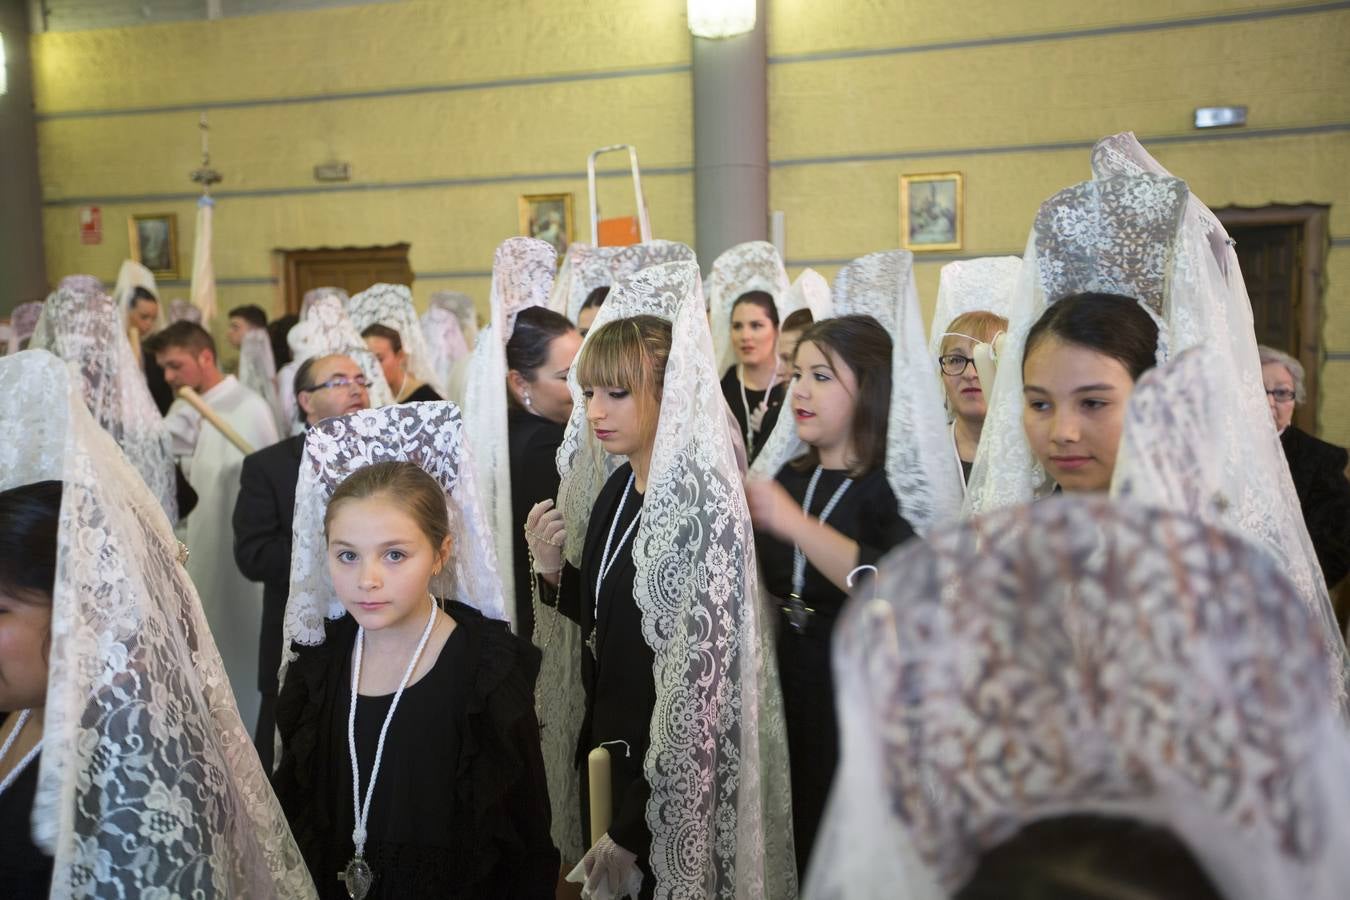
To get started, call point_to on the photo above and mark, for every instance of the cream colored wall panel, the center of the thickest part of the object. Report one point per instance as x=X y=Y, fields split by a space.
x=1287 y=71
x=810 y=26
x=1335 y=402
x=1336 y=327
x=544 y=128
x=356 y=48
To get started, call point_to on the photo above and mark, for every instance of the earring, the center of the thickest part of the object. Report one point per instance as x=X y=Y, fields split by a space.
x=528 y=404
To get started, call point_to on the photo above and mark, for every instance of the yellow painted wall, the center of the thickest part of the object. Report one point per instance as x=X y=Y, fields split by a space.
x=1022 y=79
x=93 y=150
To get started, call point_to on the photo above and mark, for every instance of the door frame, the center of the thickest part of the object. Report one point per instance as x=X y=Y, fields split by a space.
x=1313 y=221
x=290 y=261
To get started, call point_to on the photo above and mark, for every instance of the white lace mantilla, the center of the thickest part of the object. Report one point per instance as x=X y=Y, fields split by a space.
x=971 y=285
x=428 y=434
x=719 y=811
x=325 y=329
x=258 y=372
x=148 y=783
x=586 y=268
x=391 y=305
x=522 y=273
x=1083 y=656
x=752 y=266
x=81 y=325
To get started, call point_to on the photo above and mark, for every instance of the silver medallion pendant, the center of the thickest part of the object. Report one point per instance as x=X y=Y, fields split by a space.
x=358 y=878
x=798 y=613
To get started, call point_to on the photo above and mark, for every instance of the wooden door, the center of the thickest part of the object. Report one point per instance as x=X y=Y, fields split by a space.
x=351 y=268
x=1282 y=252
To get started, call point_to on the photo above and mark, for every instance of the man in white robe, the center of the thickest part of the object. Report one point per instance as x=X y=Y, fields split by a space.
x=211 y=463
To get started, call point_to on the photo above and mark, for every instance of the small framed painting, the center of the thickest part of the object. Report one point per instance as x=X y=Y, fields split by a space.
x=932 y=211
x=548 y=217
x=154 y=243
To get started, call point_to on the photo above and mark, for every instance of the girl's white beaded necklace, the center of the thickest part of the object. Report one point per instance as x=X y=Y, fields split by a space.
x=9 y=743
x=750 y=430
x=358 y=876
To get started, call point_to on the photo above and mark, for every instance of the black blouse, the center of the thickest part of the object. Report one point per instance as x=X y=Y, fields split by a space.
x=461 y=805
x=424 y=394
x=25 y=871
x=533 y=443
x=731 y=390
x=619 y=684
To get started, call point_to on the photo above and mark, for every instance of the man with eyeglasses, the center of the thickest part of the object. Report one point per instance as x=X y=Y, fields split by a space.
x=325 y=386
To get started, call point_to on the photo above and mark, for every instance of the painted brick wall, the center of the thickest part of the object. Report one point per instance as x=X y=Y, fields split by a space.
x=983 y=86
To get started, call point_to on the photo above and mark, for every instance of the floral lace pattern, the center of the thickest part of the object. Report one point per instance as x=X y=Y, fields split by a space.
x=1087 y=656
x=752 y=266
x=522 y=273
x=719 y=811
x=23 y=322
x=83 y=328
x=324 y=329
x=428 y=434
x=258 y=372
x=391 y=305
x=313 y=295
x=446 y=344
x=181 y=310
x=148 y=785
x=919 y=463
x=969 y=285
x=586 y=268
x=463 y=308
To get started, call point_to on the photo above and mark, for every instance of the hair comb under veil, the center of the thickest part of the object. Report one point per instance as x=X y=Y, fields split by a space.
x=391 y=305
x=968 y=285
x=1084 y=656
x=586 y=268
x=522 y=273
x=81 y=325
x=720 y=804
x=324 y=329
x=432 y=435
x=148 y=782
x=752 y=266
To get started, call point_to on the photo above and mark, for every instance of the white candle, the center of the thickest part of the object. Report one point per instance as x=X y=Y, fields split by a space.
x=597 y=763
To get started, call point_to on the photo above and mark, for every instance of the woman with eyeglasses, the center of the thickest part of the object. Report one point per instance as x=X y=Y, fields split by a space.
x=965 y=397
x=1318 y=468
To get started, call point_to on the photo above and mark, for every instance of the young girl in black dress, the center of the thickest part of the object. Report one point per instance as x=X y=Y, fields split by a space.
x=428 y=702
x=826 y=513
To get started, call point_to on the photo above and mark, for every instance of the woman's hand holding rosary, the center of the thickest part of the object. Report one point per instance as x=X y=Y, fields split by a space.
x=544 y=532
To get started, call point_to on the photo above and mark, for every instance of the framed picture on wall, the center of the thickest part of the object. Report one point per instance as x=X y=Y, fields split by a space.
x=547 y=217
x=932 y=211
x=154 y=243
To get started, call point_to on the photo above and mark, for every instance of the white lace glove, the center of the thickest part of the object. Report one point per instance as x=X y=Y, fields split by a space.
x=607 y=872
x=544 y=535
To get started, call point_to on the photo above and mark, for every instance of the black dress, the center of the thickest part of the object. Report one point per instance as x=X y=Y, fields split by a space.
x=618 y=680
x=461 y=805
x=533 y=443
x=424 y=394
x=868 y=514
x=25 y=871
x=731 y=390
x=1318 y=470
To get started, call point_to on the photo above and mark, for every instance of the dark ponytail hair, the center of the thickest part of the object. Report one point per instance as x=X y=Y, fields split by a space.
x=536 y=327
x=861 y=344
x=1110 y=324
x=763 y=300
x=30 y=518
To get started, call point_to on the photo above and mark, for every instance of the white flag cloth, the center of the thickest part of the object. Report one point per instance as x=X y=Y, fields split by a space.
x=203 y=267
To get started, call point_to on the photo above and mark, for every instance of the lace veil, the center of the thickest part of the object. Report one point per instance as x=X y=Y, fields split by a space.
x=148 y=782
x=463 y=307
x=432 y=435
x=522 y=273
x=130 y=276
x=586 y=268
x=968 y=285
x=444 y=333
x=391 y=305
x=810 y=291
x=83 y=328
x=325 y=329
x=1084 y=656
x=719 y=811
x=23 y=322
x=313 y=295
x=181 y=310
x=258 y=372
x=752 y=266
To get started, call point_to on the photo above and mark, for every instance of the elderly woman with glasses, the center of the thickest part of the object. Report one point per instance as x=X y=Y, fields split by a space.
x=1318 y=468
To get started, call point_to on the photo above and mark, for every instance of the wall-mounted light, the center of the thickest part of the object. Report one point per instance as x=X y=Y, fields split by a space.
x=1220 y=116
x=721 y=18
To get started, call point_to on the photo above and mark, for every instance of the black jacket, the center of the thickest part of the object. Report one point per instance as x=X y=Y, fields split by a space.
x=1318 y=469
x=263 y=515
x=533 y=442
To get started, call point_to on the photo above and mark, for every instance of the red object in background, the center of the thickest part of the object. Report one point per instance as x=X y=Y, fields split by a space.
x=620 y=232
x=91 y=225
